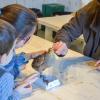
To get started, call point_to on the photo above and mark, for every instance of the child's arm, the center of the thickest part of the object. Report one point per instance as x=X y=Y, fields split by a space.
x=23 y=58
x=34 y=54
x=9 y=92
x=25 y=90
x=29 y=79
x=6 y=88
x=25 y=87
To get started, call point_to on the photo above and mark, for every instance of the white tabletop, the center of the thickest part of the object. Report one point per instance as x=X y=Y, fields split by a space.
x=36 y=43
x=73 y=91
x=55 y=22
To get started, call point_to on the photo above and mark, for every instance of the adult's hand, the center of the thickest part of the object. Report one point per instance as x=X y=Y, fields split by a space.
x=60 y=48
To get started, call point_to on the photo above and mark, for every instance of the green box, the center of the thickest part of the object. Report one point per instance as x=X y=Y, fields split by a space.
x=49 y=9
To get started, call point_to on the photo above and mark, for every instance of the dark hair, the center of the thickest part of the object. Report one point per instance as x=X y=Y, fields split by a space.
x=7 y=37
x=22 y=18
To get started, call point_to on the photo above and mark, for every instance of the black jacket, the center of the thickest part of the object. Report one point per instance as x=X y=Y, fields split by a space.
x=87 y=22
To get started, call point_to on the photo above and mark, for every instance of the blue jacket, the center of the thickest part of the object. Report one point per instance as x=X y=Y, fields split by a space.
x=7 y=91
x=17 y=61
x=8 y=74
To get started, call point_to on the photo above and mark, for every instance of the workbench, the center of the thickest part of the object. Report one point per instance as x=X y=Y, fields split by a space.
x=55 y=23
x=72 y=91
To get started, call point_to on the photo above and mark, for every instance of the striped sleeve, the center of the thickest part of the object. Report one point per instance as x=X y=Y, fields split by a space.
x=6 y=88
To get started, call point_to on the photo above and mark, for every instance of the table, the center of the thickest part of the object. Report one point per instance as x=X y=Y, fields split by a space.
x=53 y=24
x=73 y=91
x=36 y=43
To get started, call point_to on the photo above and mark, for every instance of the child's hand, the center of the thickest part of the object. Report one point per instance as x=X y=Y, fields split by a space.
x=38 y=53
x=24 y=89
x=31 y=79
x=35 y=54
x=60 y=48
x=28 y=80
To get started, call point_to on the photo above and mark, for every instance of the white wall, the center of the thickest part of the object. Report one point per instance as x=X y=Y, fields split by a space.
x=6 y=2
x=70 y=5
x=84 y=2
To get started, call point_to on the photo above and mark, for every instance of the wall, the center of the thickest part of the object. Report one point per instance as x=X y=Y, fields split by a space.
x=84 y=2
x=71 y=5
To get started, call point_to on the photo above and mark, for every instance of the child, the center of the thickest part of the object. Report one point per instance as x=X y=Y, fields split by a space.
x=7 y=45
x=25 y=22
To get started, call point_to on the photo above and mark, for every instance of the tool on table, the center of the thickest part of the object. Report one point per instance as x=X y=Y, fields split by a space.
x=42 y=62
x=47 y=82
